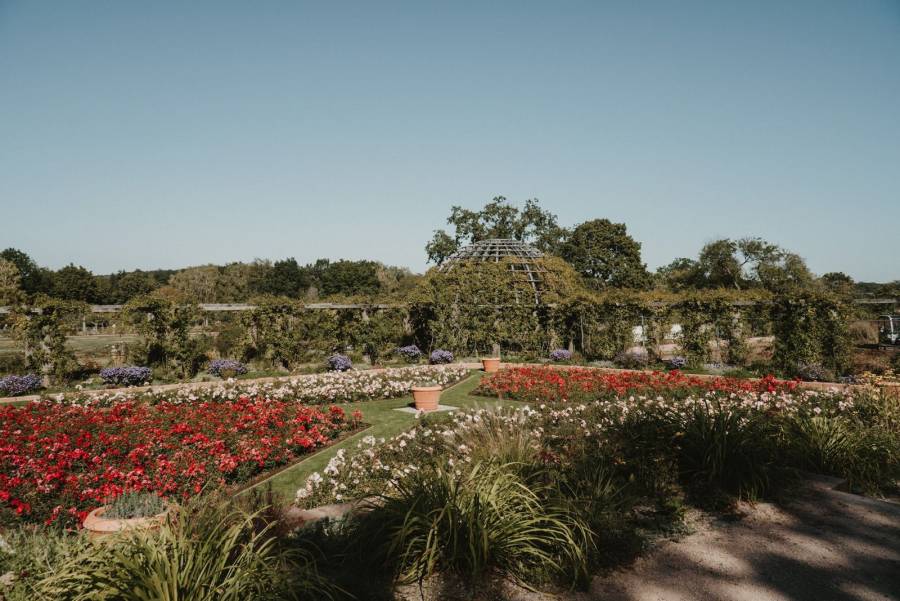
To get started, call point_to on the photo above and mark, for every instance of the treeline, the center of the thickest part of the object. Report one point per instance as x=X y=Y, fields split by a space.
x=21 y=277
x=603 y=253
x=608 y=258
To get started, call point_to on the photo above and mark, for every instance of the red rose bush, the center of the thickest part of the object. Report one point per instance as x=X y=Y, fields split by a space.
x=59 y=461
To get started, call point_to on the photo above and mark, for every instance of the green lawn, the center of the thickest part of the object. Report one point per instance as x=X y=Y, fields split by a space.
x=385 y=423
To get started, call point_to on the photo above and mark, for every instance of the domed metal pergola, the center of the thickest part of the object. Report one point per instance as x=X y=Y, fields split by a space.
x=522 y=258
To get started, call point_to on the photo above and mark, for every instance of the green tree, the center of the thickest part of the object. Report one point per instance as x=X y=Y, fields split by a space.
x=74 y=282
x=198 y=284
x=34 y=279
x=605 y=255
x=43 y=329
x=124 y=286
x=498 y=219
x=10 y=283
x=348 y=277
x=285 y=278
x=164 y=327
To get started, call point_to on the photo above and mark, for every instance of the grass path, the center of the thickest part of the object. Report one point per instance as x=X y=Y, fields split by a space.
x=385 y=423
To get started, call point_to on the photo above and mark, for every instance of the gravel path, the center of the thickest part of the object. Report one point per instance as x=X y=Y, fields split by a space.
x=822 y=545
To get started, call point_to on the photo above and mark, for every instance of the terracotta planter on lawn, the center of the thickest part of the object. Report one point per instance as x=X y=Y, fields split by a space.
x=427 y=398
x=98 y=526
x=490 y=364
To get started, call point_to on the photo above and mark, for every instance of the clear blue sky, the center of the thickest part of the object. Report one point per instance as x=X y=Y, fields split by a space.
x=163 y=134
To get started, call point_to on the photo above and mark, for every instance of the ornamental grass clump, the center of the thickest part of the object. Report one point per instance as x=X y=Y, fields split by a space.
x=725 y=448
x=560 y=355
x=226 y=368
x=484 y=521
x=19 y=385
x=410 y=353
x=338 y=362
x=127 y=375
x=440 y=357
x=210 y=550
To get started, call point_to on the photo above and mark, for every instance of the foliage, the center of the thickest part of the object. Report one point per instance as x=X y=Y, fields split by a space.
x=497 y=219
x=75 y=283
x=19 y=385
x=165 y=330
x=271 y=331
x=135 y=504
x=810 y=327
x=484 y=521
x=208 y=550
x=605 y=255
x=475 y=306
x=10 y=283
x=725 y=447
x=42 y=330
x=34 y=279
x=814 y=372
x=127 y=375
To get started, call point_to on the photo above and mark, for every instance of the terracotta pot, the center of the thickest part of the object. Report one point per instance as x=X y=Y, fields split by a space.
x=490 y=364
x=427 y=398
x=98 y=526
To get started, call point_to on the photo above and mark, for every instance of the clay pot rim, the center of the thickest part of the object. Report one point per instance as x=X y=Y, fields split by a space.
x=426 y=388
x=490 y=358
x=95 y=522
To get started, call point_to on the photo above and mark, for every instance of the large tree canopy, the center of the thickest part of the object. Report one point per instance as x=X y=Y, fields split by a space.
x=498 y=219
x=739 y=264
x=605 y=255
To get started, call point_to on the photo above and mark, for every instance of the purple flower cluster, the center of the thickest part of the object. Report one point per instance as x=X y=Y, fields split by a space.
x=677 y=363
x=440 y=356
x=226 y=368
x=127 y=375
x=16 y=385
x=561 y=354
x=339 y=362
x=411 y=353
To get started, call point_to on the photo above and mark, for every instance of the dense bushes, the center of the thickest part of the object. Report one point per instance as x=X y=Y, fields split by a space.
x=209 y=550
x=127 y=375
x=18 y=385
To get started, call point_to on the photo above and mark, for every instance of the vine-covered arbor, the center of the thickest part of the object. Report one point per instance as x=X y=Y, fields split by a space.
x=521 y=257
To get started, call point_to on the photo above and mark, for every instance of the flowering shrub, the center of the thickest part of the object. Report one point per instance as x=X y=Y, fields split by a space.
x=552 y=433
x=560 y=355
x=226 y=368
x=410 y=353
x=440 y=356
x=548 y=384
x=631 y=360
x=338 y=362
x=814 y=372
x=128 y=375
x=59 y=461
x=676 y=363
x=330 y=387
x=16 y=385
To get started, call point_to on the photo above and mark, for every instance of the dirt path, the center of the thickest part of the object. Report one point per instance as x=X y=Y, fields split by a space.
x=823 y=545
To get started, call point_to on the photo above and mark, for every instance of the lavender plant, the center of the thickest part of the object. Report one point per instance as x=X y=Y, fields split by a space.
x=226 y=368
x=338 y=362
x=127 y=375
x=559 y=355
x=440 y=356
x=676 y=363
x=16 y=385
x=410 y=353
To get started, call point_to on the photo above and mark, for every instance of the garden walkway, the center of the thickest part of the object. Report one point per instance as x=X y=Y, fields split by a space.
x=820 y=545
